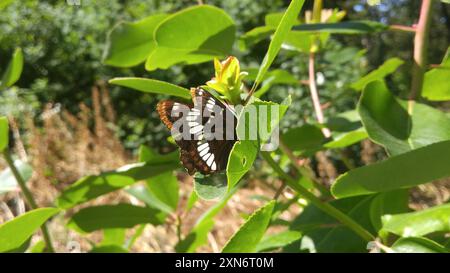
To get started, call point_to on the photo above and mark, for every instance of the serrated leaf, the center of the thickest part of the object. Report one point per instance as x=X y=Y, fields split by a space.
x=18 y=230
x=152 y=86
x=251 y=232
x=114 y=216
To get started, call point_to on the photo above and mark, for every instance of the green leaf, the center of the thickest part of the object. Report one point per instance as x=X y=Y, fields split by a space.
x=278 y=240
x=287 y=21
x=323 y=233
x=5 y=3
x=165 y=187
x=152 y=86
x=402 y=171
x=346 y=139
x=418 y=223
x=198 y=235
x=13 y=71
x=4 y=133
x=417 y=245
x=435 y=85
x=250 y=233
x=211 y=186
x=145 y=195
x=129 y=44
x=18 y=230
x=193 y=197
x=90 y=187
x=38 y=247
x=109 y=249
x=306 y=139
x=8 y=181
x=388 y=123
x=388 y=67
x=113 y=236
x=388 y=203
x=193 y=35
x=347 y=27
x=114 y=216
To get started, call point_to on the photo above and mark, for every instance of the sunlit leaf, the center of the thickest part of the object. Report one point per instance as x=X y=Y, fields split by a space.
x=130 y=43
x=417 y=245
x=388 y=67
x=4 y=133
x=248 y=236
x=14 y=69
x=16 y=231
x=152 y=86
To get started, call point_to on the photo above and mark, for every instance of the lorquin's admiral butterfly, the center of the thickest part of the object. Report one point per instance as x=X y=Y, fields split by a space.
x=204 y=130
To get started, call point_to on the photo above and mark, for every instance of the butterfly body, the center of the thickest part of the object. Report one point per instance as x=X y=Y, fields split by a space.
x=204 y=130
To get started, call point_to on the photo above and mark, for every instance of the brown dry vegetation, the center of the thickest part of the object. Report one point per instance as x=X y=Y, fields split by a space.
x=65 y=147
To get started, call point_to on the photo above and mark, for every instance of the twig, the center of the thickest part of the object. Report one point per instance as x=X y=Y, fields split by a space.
x=28 y=197
x=326 y=207
x=402 y=28
x=315 y=95
x=280 y=190
x=420 y=51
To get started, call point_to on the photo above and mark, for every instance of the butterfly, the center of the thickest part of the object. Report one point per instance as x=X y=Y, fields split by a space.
x=204 y=130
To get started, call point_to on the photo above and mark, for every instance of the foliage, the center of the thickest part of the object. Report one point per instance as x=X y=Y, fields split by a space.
x=148 y=52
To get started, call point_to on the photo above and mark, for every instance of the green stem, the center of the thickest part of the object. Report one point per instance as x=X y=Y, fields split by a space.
x=304 y=171
x=28 y=197
x=326 y=207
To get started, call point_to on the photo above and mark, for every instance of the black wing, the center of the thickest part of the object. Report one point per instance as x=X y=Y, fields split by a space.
x=202 y=132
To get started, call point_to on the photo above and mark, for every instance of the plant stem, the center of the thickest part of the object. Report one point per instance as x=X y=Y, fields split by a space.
x=326 y=207
x=302 y=170
x=420 y=50
x=402 y=28
x=28 y=197
x=315 y=95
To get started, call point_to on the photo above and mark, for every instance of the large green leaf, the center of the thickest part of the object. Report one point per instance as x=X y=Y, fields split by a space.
x=435 y=85
x=248 y=236
x=13 y=71
x=402 y=171
x=388 y=123
x=211 y=186
x=8 y=181
x=323 y=233
x=390 y=202
x=388 y=67
x=418 y=223
x=114 y=216
x=92 y=186
x=129 y=44
x=152 y=86
x=417 y=245
x=306 y=139
x=165 y=186
x=17 y=231
x=4 y=133
x=287 y=21
x=198 y=235
x=193 y=35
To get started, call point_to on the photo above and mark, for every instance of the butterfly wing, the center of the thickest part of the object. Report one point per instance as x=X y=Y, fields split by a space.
x=199 y=150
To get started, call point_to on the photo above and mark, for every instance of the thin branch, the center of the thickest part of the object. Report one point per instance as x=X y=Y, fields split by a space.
x=28 y=197
x=402 y=28
x=420 y=50
x=315 y=95
x=325 y=207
